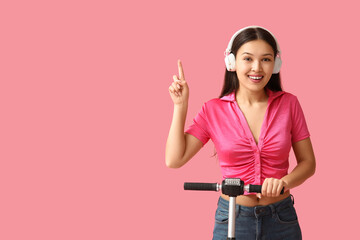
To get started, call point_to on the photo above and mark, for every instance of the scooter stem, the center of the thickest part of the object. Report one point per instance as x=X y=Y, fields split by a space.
x=231 y=226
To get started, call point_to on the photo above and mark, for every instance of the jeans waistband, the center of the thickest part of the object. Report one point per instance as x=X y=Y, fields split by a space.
x=259 y=210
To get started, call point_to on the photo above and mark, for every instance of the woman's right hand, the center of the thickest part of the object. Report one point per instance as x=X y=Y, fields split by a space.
x=179 y=90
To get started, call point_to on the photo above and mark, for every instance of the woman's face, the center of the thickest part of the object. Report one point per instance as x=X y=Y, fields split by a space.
x=254 y=65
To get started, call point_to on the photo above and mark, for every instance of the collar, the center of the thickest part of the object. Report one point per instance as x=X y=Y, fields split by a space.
x=272 y=95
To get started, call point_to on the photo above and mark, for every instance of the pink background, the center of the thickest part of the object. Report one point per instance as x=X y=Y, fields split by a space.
x=85 y=113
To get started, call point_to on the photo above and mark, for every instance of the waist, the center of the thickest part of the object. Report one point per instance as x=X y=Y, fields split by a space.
x=259 y=209
x=252 y=200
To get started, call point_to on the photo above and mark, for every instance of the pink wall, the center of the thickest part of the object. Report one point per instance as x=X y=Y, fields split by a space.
x=85 y=113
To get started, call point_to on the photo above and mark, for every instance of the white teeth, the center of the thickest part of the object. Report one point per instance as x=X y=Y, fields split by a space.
x=255 y=78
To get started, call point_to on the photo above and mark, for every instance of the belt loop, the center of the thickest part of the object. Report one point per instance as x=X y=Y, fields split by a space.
x=238 y=209
x=273 y=210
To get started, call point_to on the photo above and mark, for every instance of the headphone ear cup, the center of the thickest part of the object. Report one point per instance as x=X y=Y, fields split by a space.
x=277 y=65
x=230 y=62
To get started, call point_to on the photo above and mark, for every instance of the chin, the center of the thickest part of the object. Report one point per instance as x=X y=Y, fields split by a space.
x=254 y=86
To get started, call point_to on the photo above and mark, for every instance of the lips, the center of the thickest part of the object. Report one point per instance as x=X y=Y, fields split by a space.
x=255 y=78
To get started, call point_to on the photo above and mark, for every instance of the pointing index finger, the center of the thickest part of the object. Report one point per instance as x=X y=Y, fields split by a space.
x=181 y=71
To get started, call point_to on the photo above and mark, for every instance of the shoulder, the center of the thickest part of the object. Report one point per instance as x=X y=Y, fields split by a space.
x=215 y=103
x=285 y=101
x=214 y=106
x=291 y=103
x=289 y=97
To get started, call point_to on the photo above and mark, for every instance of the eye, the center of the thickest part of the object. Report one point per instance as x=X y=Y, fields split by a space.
x=267 y=60
x=247 y=59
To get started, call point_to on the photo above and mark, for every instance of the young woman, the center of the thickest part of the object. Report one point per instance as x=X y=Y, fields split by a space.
x=253 y=125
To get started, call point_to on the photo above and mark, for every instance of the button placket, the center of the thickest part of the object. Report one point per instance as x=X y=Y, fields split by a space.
x=257 y=167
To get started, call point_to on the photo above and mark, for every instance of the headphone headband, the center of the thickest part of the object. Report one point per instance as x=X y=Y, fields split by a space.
x=228 y=49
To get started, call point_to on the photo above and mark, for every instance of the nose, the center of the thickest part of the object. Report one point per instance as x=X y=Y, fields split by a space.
x=256 y=67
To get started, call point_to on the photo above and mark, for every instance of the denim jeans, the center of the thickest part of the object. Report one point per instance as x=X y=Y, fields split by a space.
x=277 y=221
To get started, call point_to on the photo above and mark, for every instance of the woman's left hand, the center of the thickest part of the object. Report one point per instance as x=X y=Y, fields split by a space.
x=272 y=187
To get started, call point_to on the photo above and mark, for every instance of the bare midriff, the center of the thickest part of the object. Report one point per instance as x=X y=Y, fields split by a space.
x=252 y=200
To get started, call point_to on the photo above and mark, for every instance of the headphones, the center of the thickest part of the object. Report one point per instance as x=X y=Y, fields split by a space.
x=230 y=57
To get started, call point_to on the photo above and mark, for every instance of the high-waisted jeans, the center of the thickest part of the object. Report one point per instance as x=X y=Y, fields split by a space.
x=277 y=221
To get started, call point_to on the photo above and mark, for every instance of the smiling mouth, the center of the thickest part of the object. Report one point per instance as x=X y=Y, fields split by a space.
x=256 y=77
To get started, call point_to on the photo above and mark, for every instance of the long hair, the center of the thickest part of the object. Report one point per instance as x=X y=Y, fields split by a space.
x=231 y=81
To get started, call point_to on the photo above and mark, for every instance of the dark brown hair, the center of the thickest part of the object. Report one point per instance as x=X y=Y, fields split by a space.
x=231 y=81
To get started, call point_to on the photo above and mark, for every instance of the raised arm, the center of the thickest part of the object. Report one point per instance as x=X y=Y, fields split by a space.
x=180 y=147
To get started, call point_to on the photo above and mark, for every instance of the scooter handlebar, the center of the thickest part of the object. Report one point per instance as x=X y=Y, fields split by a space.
x=216 y=187
x=201 y=186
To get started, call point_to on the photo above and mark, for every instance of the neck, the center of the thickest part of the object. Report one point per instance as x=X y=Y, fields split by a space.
x=247 y=97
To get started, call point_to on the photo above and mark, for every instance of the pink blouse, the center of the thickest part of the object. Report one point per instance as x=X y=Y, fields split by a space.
x=222 y=121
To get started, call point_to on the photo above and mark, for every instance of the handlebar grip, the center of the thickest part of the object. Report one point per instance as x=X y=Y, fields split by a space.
x=257 y=188
x=201 y=186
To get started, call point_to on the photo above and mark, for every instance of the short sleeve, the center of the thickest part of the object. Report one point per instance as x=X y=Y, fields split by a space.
x=199 y=127
x=299 y=129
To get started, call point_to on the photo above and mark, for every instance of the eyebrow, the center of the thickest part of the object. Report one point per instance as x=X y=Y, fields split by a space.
x=266 y=54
